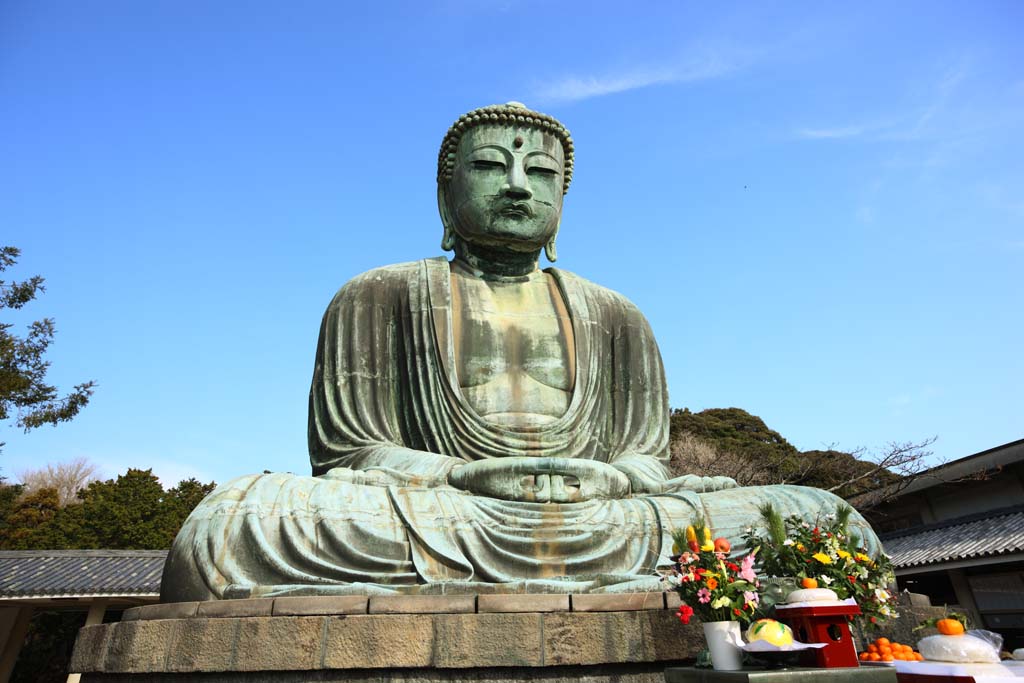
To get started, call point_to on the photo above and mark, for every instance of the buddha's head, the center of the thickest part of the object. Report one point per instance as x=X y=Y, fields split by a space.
x=502 y=173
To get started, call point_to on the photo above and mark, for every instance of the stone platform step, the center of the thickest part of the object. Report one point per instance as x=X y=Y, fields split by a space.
x=385 y=633
x=405 y=604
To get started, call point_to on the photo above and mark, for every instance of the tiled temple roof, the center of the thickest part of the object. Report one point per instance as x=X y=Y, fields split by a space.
x=79 y=573
x=994 y=533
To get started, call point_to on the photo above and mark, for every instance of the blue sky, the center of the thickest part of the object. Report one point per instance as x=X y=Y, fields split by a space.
x=818 y=206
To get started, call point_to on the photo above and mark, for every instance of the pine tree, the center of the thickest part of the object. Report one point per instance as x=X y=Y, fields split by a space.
x=24 y=393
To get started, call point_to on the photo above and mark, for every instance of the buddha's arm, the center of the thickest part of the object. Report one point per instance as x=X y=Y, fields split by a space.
x=648 y=474
x=400 y=465
x=361 y=411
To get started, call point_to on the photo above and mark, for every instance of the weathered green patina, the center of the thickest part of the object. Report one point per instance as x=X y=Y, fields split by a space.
x=474 y=425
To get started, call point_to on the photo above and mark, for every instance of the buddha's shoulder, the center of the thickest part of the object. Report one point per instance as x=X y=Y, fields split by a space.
x=389 y=279
x=599 y=294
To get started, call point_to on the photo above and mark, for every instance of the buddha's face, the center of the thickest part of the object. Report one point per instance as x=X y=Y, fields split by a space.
x=506 y=187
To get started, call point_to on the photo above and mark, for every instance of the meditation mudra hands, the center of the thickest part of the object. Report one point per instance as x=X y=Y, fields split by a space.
x=567 y=480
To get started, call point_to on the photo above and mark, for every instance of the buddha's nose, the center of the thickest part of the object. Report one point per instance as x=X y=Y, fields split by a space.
x=516 y=185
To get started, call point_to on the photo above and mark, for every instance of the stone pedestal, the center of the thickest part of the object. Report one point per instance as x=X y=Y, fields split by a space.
x=393 y=638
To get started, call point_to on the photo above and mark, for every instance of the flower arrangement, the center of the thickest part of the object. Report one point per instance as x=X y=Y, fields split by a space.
x=709 y=583
x=825 y=554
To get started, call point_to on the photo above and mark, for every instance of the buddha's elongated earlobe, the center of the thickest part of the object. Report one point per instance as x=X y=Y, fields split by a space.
x=448 y=239
x=549 y=248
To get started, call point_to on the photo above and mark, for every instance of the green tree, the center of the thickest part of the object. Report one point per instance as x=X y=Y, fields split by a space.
x=29 y=525
x=754 y=453
x=131 y=512
x=733 y=443
x=24 y=393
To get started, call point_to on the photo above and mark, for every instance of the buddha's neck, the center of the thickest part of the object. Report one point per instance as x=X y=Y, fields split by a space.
x=495 y=264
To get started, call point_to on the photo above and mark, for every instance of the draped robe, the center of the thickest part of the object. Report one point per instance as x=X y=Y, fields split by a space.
x=387 y=422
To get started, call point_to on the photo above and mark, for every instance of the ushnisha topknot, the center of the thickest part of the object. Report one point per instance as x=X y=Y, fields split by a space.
x=511 y=113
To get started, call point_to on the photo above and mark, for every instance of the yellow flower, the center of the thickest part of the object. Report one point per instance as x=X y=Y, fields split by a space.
x=822 y=557
x=801 y=547
x=842 y=553
x=862 y=557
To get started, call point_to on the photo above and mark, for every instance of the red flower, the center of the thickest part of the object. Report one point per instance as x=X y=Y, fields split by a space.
x=736 y=611
x=873 y=620
x=684 y=613
x=732 y=567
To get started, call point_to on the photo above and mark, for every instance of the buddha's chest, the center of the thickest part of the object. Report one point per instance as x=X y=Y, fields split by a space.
x=513 y=349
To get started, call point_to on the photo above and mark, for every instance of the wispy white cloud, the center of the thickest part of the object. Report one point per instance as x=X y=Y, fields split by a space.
x=919 y=122
x=866 y=214
x=832 y=133
x=899 y=401
x=709 y=66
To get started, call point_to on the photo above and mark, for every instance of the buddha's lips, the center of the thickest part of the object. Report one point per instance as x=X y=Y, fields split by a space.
x=517 y=210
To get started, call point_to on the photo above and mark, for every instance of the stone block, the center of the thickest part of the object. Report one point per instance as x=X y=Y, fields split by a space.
x=137 y=646
x=422 y=604
x=919 y=600
x=522 y=603
x=378 y=641
x=617 y=602
x=90 y=648
x=672 y=601
x=320 y=605
x=203 y=645
x=602 y=637
x=588 y=638
x=249 y=607
x=169 y=610
x=473 y=640
x=279 y=643
x=131 y=614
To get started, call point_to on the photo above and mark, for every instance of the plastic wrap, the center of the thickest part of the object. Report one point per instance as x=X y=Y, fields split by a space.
x=812 y=595
x=973 y=646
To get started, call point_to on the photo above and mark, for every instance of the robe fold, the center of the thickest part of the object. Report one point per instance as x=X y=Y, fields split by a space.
x=387 y=422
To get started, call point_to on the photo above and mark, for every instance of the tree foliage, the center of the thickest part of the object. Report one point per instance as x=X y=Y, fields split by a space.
x=733 y=443
x=131 y=512
x=743 y=446
x=24 y=393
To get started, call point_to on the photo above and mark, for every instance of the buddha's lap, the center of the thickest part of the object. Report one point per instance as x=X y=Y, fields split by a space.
x=378 y=509
x=264 y=532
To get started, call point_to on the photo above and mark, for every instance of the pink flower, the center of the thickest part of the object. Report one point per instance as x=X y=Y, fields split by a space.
x=704 y=595
x=747 y=569
x=750 y=597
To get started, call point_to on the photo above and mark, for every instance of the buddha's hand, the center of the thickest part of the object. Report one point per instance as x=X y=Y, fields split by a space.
x=540 y=480
x=693 y=482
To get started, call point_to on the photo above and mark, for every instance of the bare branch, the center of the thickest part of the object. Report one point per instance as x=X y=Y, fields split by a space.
x=67 y=478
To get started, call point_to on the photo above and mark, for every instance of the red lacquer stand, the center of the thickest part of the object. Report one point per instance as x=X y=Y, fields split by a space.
x=826 y=624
